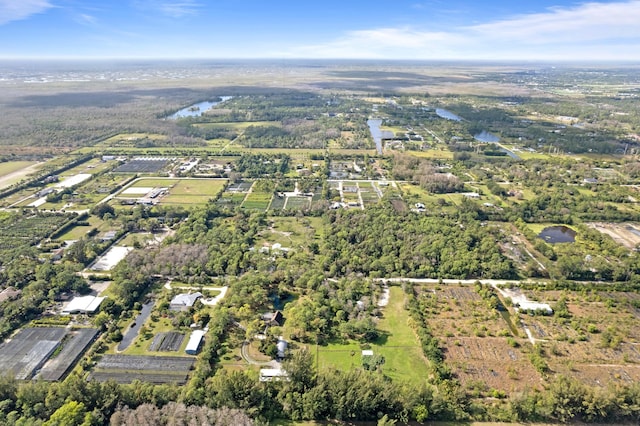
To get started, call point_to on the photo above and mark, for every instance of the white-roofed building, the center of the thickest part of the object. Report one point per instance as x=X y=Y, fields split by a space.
x=193 y=345
x=184 y=301
x=271 y=374
x=83 y=305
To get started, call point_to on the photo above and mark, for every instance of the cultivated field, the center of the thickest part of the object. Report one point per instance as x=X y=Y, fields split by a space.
x=480 y=342
x=152 y=369
x=63 y=360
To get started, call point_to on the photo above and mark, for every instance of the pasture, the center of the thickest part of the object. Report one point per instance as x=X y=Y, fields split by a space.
x=398 y=345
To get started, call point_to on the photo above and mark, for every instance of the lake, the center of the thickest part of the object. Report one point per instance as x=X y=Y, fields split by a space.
x=196 y=110
x=443 y=113
x=558 y=234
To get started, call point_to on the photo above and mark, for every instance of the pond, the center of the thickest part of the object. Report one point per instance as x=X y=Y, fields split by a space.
x=196 y=110
x=135 y=327
x=443 y=113
x=486 y=137
x=558 y=234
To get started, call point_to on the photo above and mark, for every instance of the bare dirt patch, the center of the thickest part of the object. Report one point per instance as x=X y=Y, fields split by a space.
x=626 y=234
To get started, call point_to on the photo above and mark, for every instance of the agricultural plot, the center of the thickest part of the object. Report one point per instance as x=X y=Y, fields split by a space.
x=298 y=203
x=73 y=346
x=231 y=199
x=194 y=191
x=152 y=369
x=595 y=339
x=29 y=349
x=22 y=230
x=278 y=202
x=480 y=343
x=239 y=187
x=257 y=201
x=167 y=342
x=143 y=165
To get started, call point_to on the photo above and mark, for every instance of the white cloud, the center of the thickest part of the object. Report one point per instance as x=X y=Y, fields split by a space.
x=173 y=9
x=15 y=10
x=180 y=9
x=606 y=31
x=86 y=19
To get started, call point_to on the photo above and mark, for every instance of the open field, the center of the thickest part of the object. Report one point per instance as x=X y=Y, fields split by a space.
x=14 y=171
x=193 y=191
x=398 y=344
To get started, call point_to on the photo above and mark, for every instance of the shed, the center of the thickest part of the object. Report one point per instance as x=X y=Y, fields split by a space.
x=193 y=345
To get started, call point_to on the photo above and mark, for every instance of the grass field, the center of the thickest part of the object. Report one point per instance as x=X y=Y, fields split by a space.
x=398 y=344
x=8 y=167
x=194 y=191
x=237 y=125
x=257 y=201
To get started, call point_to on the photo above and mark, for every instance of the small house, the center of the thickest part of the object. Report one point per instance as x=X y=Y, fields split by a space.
x=273 y=319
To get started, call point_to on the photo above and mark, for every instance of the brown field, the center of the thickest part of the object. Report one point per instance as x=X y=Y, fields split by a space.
x=491 y=361
x=620 y=232
x=599 y=343
x=474 y=338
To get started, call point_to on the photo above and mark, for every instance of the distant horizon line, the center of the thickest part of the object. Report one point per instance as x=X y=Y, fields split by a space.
x=318 y=60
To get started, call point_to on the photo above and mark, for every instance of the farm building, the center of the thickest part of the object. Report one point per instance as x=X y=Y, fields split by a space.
x=83 y=305
x=184 y=301
x=193 y=345
x=272 y=374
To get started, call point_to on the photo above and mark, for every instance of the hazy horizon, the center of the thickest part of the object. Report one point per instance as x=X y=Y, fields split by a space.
x=549 y=30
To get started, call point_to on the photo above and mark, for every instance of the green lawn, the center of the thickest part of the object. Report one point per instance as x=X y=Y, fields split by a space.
x=78 y=232
x=194 y=191
x=399 y=346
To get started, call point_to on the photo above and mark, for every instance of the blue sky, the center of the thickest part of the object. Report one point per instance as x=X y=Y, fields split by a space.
x=376 y=29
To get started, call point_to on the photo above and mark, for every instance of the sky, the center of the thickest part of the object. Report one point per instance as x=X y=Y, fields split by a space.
x=555 y=30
